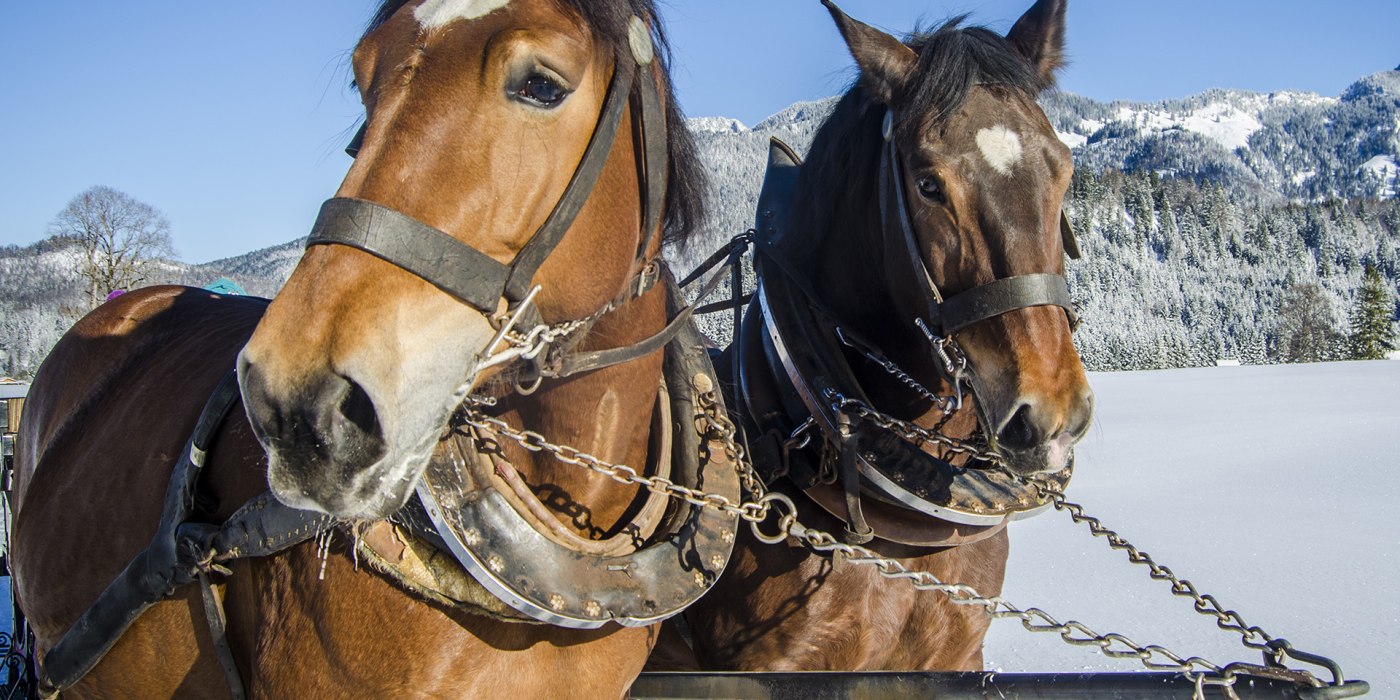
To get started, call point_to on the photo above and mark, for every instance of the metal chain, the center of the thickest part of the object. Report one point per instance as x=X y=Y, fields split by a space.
x=909 y=431
x=1205 y=604
x=946 y=404
x=1252 y=637
x=751 y=511
x=1112 y=644
x=715 y=424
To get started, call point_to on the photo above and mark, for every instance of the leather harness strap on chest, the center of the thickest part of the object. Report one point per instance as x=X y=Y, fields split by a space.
x=181 y=552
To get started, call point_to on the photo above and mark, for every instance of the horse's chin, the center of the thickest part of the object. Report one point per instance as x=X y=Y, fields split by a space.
x=374 y=494
x=1047 y=458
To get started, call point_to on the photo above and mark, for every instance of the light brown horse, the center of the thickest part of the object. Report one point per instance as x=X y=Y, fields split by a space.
x=985 y=175
x=478 y=112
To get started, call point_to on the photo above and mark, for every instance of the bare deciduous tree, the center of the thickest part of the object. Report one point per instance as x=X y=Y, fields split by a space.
x=119 y=235
x=1305 y=329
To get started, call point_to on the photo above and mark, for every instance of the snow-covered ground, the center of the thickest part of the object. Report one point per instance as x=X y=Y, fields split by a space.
x=1274 y=488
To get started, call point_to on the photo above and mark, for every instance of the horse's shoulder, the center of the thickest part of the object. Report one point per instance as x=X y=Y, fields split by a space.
x=134 y=357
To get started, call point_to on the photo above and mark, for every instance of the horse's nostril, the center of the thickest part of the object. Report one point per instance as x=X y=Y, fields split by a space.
x=1021 y=432
x=358 y=408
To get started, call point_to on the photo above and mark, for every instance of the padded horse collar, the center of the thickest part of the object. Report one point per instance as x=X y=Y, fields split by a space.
x=584 y=585
x=475 y=278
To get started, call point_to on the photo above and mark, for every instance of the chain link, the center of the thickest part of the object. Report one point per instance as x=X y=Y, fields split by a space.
x=909 y=431
x=716 y=425
x=1205 y=604
x=946 y=404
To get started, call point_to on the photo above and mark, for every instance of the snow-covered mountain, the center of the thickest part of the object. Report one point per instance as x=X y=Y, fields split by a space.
x=1197 y=216
x=1296 y=146
x=41 y=291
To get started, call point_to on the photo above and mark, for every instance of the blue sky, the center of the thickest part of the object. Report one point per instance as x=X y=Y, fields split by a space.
x=230 y=117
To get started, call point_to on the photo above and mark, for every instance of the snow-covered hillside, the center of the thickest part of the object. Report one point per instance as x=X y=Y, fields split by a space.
x=1231 y=199
x=1296 y=145
x=1272 y=488
x=1190 y=255
x=1288 y=145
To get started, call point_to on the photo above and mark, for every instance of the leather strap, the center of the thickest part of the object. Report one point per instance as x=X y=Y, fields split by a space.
x=655 y=159
x=1007 y=294
x=578 y=363
x=451 y=265
x=152 y=575
x=218 y=631
x=546 y=239
x=858 y=531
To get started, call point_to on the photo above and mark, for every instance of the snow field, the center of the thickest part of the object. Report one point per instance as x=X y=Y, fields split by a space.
x=1273 y=488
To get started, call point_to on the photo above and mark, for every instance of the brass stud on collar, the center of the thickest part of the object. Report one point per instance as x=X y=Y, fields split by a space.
x=703 y=383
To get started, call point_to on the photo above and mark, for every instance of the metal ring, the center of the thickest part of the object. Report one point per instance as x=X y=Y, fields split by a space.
x=785 y=520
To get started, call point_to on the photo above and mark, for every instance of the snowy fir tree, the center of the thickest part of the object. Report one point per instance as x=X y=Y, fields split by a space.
x=1372 y=330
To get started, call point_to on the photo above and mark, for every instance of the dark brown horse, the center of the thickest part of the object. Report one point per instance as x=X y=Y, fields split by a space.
x=479 y=112
x=950 y=117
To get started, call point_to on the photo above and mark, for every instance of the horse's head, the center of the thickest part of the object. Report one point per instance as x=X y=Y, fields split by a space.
x=984 y=176
x=478 y=114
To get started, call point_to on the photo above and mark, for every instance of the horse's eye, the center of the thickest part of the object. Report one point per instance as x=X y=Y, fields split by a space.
x=542 y=91
x=930 y=189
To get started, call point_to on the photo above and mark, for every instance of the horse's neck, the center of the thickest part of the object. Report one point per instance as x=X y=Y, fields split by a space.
x=606 y=413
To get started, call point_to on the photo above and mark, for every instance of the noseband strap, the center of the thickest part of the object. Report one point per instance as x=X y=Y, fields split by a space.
x=466 y=273
x=1000 y=296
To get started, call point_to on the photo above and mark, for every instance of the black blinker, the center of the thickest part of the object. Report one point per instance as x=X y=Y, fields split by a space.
x=353 y=148
x=1067 y=235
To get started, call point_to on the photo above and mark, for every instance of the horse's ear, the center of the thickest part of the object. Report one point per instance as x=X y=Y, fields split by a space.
x=1040 y=36
x=885 y=62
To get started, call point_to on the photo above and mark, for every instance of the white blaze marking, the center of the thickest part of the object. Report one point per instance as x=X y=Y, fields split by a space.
x=1001 y=147
x=436 y=13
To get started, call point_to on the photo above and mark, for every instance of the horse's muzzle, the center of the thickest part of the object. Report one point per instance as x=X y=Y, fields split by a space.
x=321 y=438
x=1039 y=438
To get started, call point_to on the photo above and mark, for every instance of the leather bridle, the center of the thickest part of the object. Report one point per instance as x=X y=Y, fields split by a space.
x=939 y=317
x=477 y=279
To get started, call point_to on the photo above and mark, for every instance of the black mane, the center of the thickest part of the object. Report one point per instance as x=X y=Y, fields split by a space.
x=952 y=60
x=608 y=19
x=840 y=177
